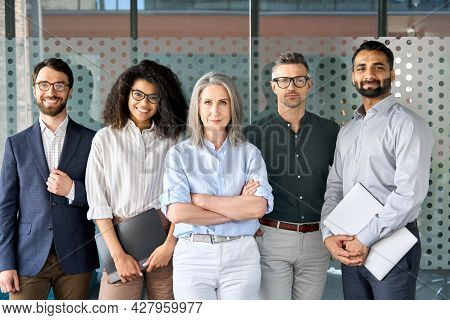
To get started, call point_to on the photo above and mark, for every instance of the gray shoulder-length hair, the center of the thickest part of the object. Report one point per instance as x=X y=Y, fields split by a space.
x=195 y=124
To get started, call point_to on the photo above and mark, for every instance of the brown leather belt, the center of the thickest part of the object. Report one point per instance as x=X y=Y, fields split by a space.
x=290 y=226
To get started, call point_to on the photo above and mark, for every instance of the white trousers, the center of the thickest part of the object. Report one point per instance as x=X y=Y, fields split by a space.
x=221 y=271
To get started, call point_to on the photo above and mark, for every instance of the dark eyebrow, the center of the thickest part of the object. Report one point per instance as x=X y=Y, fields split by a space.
x=375 y=63
x=150 y=94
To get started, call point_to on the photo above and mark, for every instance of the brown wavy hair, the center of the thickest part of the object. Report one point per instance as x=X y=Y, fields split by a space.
x=170 y=117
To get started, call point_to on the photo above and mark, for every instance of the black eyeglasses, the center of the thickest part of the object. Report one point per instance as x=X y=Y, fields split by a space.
x=137 y=95
x=284 y=82
x=58 y=86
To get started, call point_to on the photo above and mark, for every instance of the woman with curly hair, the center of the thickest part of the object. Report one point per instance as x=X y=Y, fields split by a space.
x=145 y=114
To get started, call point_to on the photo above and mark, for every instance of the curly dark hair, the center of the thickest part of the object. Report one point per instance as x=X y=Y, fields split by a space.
x=170 y=117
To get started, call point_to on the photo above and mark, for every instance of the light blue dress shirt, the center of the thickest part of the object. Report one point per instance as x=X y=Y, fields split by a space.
x=388 y=151
x=190 y=169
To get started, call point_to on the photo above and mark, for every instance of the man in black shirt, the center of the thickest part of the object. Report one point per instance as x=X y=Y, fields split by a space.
x=298 y=148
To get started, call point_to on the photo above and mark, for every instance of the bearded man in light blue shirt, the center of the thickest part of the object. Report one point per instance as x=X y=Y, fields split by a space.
x=386 y=148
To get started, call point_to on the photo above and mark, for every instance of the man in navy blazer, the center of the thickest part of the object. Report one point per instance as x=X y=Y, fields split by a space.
x=45 y=238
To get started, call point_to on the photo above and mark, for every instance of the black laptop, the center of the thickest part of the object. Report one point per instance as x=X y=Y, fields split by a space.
x=139 y=237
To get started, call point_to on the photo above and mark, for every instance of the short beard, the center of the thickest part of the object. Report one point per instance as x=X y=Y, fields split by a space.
x=294 y=106
x=383 y=88
x=51 y=112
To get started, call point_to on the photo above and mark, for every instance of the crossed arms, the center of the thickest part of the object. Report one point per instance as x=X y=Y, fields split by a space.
x=211 y=210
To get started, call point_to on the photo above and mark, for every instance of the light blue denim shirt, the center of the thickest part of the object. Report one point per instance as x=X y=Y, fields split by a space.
x=224 y=172
x=388 y=151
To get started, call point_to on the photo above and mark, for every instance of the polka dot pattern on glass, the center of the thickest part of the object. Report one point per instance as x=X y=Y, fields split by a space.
x=421 y=67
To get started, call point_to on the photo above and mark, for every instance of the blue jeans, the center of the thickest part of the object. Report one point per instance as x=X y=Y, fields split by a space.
x=399 y=283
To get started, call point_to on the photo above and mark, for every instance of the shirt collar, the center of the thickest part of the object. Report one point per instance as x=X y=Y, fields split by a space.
x=61 y=128
x=383 y=106
x=133 y=126
x=211 y=146
x=303 y=120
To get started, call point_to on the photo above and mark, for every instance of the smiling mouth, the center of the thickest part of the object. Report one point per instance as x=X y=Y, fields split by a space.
x=142 y=110
x=52 y=101
x=371 y=83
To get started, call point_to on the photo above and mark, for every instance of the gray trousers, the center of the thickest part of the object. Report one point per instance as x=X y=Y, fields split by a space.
x=293 y=265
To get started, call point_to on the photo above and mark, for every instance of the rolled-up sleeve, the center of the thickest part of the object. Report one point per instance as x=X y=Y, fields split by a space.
x=257 y=171
x=175 y=183
x=96 y=188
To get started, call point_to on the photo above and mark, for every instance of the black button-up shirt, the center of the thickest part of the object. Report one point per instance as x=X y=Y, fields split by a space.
x=297 y=163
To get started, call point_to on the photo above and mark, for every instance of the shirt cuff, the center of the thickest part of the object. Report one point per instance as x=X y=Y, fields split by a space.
x=261 y=191
x=71 y=196
x=169 y=197
x=326 y=233
x=264 y=190
x=99 y=213
x=7 y=266
x=367 y=237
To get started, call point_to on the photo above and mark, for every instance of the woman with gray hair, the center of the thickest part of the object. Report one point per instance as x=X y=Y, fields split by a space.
x=215 y=189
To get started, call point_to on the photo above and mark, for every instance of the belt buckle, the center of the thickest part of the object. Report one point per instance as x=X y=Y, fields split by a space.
x=195 y=237
x=220 y=239
x=208 y=237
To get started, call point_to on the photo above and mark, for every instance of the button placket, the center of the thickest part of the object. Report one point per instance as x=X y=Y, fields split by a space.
x=141 y=168
x=359 y=144
x=219 y=164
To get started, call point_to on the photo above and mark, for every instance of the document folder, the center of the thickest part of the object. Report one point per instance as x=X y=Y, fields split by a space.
x=355 y=212
x=139 y=237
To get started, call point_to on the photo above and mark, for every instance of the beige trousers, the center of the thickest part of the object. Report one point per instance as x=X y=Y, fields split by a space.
x=158 y=286
x=293 y=264
x=158 y=283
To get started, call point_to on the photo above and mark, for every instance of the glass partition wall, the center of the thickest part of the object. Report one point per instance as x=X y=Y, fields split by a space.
x=194 y=37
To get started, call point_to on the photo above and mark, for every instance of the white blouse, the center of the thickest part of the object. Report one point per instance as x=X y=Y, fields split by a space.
x=124 y=174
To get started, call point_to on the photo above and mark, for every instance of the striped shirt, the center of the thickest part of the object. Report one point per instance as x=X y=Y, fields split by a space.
x=124 y=175
x=53 y=143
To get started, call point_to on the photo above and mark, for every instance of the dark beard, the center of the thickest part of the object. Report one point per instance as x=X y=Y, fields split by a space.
x=383 y=87
x=51 y=112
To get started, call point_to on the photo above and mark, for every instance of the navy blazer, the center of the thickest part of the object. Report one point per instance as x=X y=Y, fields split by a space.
x=31 y=217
